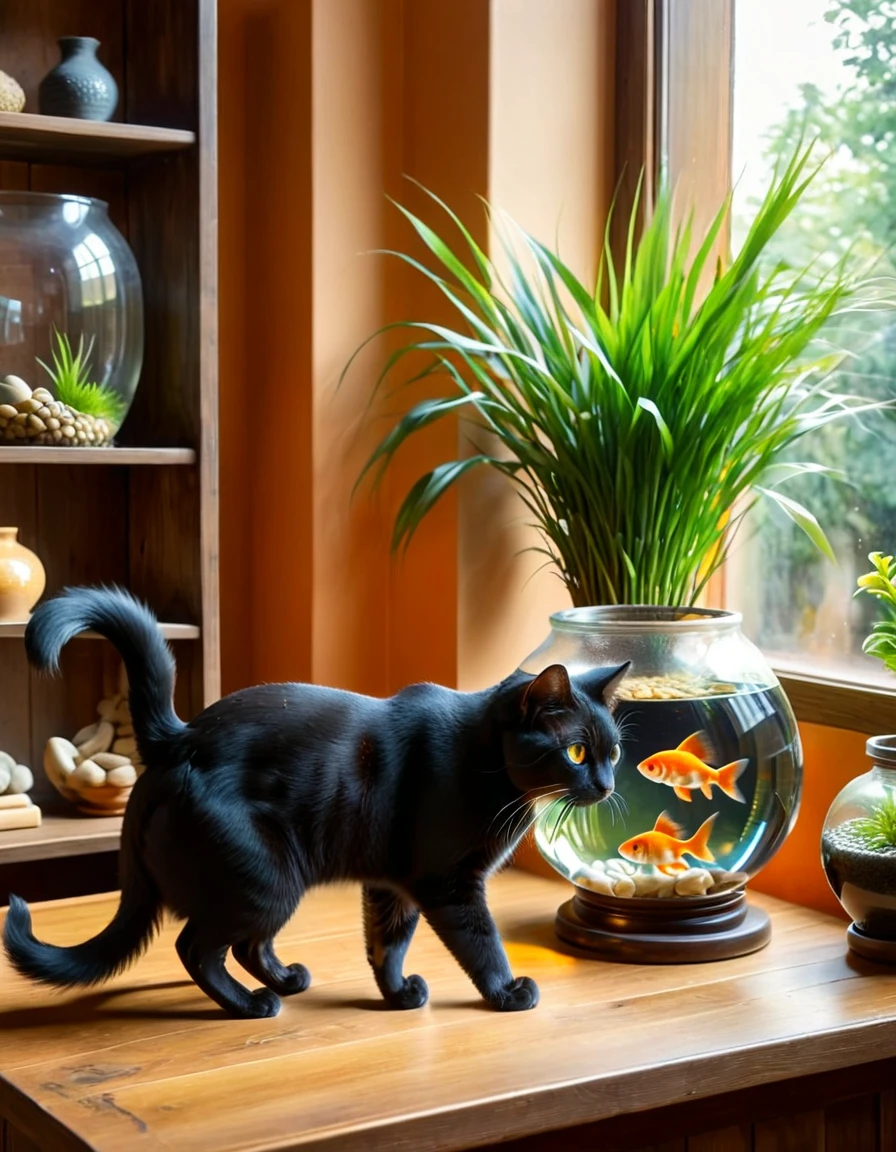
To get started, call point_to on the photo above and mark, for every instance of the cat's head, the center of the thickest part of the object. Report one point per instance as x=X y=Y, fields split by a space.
x=565 y=735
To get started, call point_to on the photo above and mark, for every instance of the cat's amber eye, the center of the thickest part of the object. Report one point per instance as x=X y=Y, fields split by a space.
x=576 y=753
x=615 y=755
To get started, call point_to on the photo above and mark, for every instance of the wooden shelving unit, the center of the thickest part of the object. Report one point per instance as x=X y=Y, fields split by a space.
x=143 y=514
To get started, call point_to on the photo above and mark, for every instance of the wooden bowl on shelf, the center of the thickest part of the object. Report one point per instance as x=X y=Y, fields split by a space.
x=107 y=800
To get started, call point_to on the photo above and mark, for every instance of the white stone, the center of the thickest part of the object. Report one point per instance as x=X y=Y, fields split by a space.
x=694 y=882
x=100 y=741
x=5 y=777
x=85 y=734
x=87 y=775
x=109 y=761
x=122 y=777
x=107 y=708
x=60 y=757
x=594 y=882
x=624 y=887
x=598 y=866
x=13 y=390
x=125 y=747
x=666 y=889
x=22 y=780
x=647 y=884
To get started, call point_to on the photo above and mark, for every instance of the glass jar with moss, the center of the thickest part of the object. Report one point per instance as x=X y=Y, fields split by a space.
x=858 y=850
x=858 y=842
x=71 y=322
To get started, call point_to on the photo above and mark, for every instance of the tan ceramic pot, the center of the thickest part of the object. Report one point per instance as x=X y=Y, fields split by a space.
x=22 y=578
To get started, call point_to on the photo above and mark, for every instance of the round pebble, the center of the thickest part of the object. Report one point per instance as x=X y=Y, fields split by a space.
x=22 y=780
x=101 y=740
x=122 y=777
x=87 y=775
x=125 y=747
x=594 y=882
x=624 y=887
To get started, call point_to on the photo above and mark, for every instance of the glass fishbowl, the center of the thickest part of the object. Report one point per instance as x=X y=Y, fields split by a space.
x=71 y=322
x=707 y=784
x=858 y=851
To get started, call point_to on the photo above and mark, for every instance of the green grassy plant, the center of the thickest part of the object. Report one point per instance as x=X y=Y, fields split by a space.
x=70 y=375
x=640 y=417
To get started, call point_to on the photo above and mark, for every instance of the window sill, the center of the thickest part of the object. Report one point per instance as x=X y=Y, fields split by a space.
x=839 y=703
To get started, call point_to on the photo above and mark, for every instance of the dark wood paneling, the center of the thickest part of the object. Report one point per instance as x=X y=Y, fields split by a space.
x=735 y=1139
x=852 y=1126
x=104 y=184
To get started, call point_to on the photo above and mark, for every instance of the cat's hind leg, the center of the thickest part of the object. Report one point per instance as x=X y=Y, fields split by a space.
x=260 y=960
x=202 y=953
x=389 y=923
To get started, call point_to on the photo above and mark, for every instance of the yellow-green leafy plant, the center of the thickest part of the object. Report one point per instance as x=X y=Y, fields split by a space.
x=881 y=583
x=639 y=417
x=72 y=386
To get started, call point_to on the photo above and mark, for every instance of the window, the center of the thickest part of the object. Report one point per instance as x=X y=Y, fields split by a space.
x=714 y=91
x=826 y=68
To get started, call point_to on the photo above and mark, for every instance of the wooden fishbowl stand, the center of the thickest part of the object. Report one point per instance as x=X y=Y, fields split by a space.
x=646 y=931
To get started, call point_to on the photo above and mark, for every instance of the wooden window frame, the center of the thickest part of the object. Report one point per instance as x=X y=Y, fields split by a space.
x=673 y=118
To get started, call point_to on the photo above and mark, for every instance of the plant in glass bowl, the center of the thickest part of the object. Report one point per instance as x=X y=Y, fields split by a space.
x=858 y=842
x=639 y=418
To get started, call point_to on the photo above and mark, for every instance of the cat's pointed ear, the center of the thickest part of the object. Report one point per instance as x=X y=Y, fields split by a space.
x=549 y=690
x=603 y=683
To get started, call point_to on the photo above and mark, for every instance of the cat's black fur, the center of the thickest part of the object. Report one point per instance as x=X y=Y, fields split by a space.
x=280 y=787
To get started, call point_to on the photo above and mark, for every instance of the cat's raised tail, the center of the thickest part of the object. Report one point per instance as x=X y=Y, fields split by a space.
x=134 y=631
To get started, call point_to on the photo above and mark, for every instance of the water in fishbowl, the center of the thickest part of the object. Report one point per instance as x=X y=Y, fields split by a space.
x=707 y=788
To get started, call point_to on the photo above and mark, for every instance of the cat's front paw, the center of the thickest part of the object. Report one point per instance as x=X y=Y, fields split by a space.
x=518 y=996
x=413 y=994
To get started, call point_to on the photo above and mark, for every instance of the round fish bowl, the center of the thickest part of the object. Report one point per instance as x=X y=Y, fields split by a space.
x=71 y=322
x=707 y=786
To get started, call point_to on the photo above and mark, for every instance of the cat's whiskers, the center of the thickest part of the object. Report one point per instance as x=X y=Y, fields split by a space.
x=522 y=805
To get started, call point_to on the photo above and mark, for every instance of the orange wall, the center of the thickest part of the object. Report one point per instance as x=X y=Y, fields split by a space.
x=324 y=107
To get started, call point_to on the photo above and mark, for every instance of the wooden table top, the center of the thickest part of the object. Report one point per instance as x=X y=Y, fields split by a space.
x=147 y=1062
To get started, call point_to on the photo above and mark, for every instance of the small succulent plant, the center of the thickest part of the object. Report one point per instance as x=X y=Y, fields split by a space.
x=72 y=385
x=878 y=828
x=881 y=583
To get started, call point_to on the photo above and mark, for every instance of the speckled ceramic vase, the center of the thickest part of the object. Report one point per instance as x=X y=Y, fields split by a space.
x=22 y=578
x=79 y=86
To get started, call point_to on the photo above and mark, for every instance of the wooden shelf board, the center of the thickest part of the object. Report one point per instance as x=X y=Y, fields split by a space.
x=61 y=836
x=9 y=454
x=24 y=135
x=11 y=630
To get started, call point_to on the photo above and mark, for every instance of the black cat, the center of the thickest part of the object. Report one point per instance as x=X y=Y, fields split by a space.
x=276 y=788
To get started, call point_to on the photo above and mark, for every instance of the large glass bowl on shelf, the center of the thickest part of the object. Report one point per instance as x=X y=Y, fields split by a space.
x=71 y=321
x=707 y=785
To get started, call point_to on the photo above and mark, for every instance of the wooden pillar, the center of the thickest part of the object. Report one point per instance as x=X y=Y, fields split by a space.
x=333 y=103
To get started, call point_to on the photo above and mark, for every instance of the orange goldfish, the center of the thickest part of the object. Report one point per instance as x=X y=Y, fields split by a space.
x=684 y=768
x=664 y=847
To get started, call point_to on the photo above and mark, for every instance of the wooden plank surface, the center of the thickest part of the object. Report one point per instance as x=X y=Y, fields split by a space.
x=106 y=456
x=14 y=629
x=58 y=835
x=147 y=1055
x=49 y=139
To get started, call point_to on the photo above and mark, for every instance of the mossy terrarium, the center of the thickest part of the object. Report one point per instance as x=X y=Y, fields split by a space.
x=71 y=322
x=858 y=850
x=858 y=842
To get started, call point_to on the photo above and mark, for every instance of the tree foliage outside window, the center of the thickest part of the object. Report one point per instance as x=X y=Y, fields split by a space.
x=852 y=204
